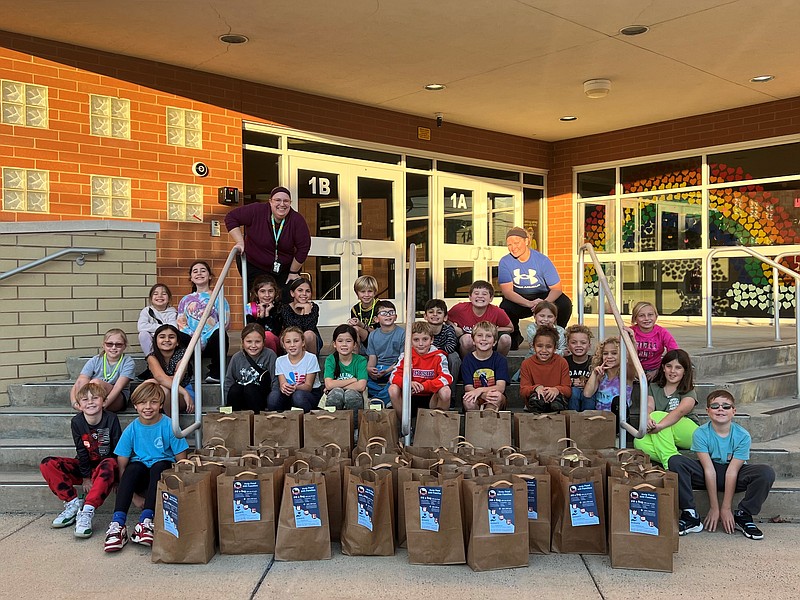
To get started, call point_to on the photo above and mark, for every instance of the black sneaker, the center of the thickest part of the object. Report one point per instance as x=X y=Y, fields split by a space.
x=212 y=378
x=689 y=524
x=744 y=523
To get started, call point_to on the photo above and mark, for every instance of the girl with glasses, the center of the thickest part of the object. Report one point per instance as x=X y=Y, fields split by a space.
x=112 y=369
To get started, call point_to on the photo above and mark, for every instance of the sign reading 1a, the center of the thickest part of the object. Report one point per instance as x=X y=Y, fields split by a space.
x=316 y=184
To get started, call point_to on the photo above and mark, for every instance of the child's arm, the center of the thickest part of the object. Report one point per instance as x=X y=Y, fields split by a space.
x=84 y=463
x=158 y=373
x=685 y=406
x=372 y=366
x=668 y=340
x=527 y=383
x=116 y=391
x=73 y=393
x=726 y=510
x=594 y=381
x=308 y=384
x=122 y=464
x=286 y=388
x=565 y=385
x=181 y=455
x=144 y=324
x=710 y=476
x=443 y=376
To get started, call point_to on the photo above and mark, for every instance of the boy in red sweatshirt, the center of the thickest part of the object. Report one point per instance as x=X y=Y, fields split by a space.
x=430 y=378
x=544 y=377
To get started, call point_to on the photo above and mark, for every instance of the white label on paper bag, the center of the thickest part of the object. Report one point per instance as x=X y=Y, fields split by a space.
x=246 y=500
x=366 y=505
x=533 y=505
x=306 y=506
x=430 y=507
x=501 y=510
x=169 y=503
x=583 y=505
x=643 y=512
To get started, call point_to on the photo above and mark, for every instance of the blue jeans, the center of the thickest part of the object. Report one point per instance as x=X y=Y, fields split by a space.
x=307 y=400
x=580 y=402
x=379 y=390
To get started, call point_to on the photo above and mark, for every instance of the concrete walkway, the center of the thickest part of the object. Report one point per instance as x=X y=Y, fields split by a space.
x=39 y=562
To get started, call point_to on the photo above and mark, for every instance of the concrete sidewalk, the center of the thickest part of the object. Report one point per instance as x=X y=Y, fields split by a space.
x=39 y=562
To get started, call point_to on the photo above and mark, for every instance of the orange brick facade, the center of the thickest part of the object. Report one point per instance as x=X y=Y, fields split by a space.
x=72 y=154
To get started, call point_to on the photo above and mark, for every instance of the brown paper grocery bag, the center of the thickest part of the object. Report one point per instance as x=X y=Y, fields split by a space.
x=368 y=526
x=248 y=499
x=642 y=527
x=215 y=449
x=236 y=428
x=540 y=432
x=201 y=465
x=281 y=429
x=498 y=536
x=537 y=480
x=303 y=530
x=332 y=468
x=321 y=427
x=592 y=429
x=433 y=519
x=578 y=510
x=488 y=428
x=377 y=423
x=436 y=428
x=184 y=520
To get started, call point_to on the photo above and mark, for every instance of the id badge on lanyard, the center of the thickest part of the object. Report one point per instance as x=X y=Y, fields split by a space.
x=276 y=266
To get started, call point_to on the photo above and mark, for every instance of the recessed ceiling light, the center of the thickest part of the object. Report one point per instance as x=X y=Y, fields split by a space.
x=568 y=118
x=634 y=30
x=435 y=87
x=762 y=78
x=233 y=38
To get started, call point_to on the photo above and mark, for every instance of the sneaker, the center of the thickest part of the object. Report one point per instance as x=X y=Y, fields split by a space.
x=67 y=516
x=744 y=523
x=210 y=378
x=688 y=523
x=83 y=524
x=143 y=533
x=116 y=537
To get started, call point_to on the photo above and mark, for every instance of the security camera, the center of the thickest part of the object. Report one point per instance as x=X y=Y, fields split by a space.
x=200 y=169
x=439 y=119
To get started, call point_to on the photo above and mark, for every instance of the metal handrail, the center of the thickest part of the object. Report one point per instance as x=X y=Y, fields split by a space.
x=627 y=345
x=776 y=293
x=194 y=348
x=411 y=295
x=80 y=260
x=776 y=305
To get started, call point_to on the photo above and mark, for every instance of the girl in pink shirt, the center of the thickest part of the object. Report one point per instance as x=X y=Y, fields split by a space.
x=652 y=341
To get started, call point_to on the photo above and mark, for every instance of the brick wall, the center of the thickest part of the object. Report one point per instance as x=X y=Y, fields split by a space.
x=62 y=309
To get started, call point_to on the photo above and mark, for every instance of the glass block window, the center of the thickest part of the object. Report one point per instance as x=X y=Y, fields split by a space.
x=185 y=202
x=26 y=190
x=184 y=127
x=23 y=104
x=110 y=116
x=111 y=197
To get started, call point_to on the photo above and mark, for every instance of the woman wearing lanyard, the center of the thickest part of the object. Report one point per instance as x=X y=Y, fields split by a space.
x=278 y=239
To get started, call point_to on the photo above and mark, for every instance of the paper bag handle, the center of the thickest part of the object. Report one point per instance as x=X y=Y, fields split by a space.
x=644 y=485
x=567 y=439
x=275 y=416
x=253 y=473
x=381 y=445
x=293 y=469
x=186 y=461
x=505 y=481
x=208 y=443
x=382 y=466
x=477 y=466
x=180 y=481
x=336 y=447
x=510 y=458
x=255 y=457
x=499 y=452
x=357 y=459
x=594 y=418
x=327 y=417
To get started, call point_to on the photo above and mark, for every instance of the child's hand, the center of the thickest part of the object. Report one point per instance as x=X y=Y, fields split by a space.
x=187 y=399
x=548 y=394
x=651 y=426
x=288 y=389
x=600 y=370
x=353 y=322
x=87 y=485
x=472 y=395
x=711 y=520
x=726 y=517
x=181 y=321
x=416 y=387
x=493 y=397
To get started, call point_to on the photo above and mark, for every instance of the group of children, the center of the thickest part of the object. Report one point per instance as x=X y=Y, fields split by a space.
x=470 y=340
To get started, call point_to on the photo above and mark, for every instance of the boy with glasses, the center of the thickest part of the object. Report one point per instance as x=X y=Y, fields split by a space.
x=384 y=346
x=722 y=448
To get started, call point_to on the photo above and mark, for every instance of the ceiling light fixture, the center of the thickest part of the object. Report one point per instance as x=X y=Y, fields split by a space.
x=435 y=87
x=233 y=38
x=568 y=118
x=634 y=30
x=597 y=88
x=762 y=78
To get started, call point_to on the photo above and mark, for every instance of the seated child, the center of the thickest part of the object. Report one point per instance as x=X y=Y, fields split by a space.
x=251 y=372
x=112 y=369
x=652 y=340
x=384 y=347
x=156 y=313
x=546 y=313
x=579 y=344
x=544 y=377
x=722 y=448
x=362 y=315
x=299 y=384
x=430 y=379
x=302 y=313
x=95 y=433
x=444 y=336
x=345 y=371
x=263 y=309
x=464 y=315
x=484 y=371
x=168 y=351
x=147 y=447
x=604 y=382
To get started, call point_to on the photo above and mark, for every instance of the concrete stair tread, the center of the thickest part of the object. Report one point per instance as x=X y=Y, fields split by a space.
x=749 y=375
x=788 y=443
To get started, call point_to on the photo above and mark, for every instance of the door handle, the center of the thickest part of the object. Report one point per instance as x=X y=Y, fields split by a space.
x=476 y=252
x=336 y=248
x=356 y=249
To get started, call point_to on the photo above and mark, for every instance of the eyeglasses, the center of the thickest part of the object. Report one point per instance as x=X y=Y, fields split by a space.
x=716 y=405
x=280 y=200
x=387 y=313
x=114 y=344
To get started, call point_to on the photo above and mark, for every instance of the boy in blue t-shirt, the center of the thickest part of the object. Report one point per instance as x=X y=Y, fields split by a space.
x=384 y=347
x=722 y=448
x=147 y=447
x=484 y=371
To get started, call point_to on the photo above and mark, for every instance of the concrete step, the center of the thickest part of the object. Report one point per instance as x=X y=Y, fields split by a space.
x=712 y=363
x=56 y=394
x=76 y=363
x=765 y=420
x=751 y=385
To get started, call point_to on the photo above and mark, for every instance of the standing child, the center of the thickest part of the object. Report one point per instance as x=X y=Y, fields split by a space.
x=444 y=335
x=147 y=447
x=251 y=373
x=544 y=377
x=163 y=362
x=546 y=313
x=190 y=310
x=722 y=448
x=670 y=404
x=301 y=312
x=430 y=379
x=345 y=371
x=604 y=381
x=484 y=371
x=362 y=315
x=299 y=384
x=95 y=433
x=652 y=340
x=263 y=309
x=112 y=369
x=384 y=347
x=579 y=343
x=158 y=312
x=464 y=315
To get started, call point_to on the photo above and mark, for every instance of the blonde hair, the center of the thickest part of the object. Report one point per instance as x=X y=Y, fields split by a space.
x=292 y=329
x=597 y=360
x=577 y=328
x=421 y=327
x=365 y=282
x=149 y=390
x=638 y=307
x=91 y=389
x=485 y=326
x=114 y=331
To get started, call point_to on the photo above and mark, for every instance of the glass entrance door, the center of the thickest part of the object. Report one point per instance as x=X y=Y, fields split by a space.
x=357 y=228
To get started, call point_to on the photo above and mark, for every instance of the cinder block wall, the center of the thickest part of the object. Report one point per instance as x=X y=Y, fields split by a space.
x=62 y=309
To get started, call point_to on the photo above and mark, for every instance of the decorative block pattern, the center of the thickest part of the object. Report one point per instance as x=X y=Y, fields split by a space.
x=184 y=127
x=111 y=197
x=185 y=202
x=26 y=190
x=110 y=116
x=23 y=104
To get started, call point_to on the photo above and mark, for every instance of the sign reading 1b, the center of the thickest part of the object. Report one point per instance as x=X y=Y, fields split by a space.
x=316 y=184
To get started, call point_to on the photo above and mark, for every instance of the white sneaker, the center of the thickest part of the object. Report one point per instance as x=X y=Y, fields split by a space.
x=83 y=524
x=67 y=516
